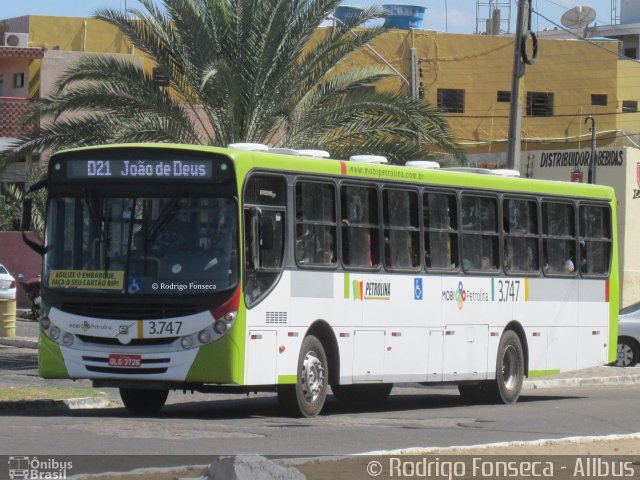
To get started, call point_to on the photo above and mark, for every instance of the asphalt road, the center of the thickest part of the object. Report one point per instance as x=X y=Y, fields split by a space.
x=410 y=418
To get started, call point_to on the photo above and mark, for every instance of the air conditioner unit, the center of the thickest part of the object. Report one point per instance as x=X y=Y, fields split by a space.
x=12 y=39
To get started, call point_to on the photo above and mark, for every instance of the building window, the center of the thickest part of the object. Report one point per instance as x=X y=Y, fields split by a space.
x=18 y=80
x=629 y=106
x=450 y=100
x=631 y=53
x=160 y=77
x=600 y=100
x=539 y=104
x=504 y=96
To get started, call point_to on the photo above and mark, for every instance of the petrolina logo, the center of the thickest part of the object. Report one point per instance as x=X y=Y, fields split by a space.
x=352 y=286
x=369 y=290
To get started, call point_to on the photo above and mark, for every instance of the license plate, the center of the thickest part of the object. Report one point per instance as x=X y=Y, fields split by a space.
x=131 y=361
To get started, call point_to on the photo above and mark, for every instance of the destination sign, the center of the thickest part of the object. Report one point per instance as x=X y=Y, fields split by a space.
x=151 y=169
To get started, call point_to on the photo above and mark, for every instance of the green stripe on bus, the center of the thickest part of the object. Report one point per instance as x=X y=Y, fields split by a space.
x=542 y=373
x=346 y=286
x=287 y=379
x=493 y=289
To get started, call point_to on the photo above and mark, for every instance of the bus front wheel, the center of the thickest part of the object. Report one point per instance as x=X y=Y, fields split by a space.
x=306 y=398
x=143 y=402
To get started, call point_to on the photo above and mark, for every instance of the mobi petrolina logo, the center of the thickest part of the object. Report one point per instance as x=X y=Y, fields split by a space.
x=462 y=295
x=367 y=290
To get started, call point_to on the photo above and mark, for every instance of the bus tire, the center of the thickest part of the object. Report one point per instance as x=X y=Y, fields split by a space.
x=507 y=386
x=142 y=401
x=369 y=393
x=306 y=398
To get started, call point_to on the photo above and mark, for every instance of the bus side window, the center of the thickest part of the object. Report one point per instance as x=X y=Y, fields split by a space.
x=359 y=217
x=315 y=225
x=595 y=240
x=264 y=233
x=520 y=226
x=440 y=224
x=401 y=233
x=558 y=238
x=480 y=237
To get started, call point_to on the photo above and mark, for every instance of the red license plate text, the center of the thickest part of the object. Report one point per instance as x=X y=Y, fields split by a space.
x=118 y=360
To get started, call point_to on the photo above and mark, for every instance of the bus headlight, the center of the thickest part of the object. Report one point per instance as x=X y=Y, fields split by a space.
x=45 y=323
x=54 y=333
x=186 y=342
x=67 y=339
x=220 y=327
x=204 y=336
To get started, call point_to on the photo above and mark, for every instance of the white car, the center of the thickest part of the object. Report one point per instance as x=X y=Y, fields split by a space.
x=7 y=285
x=629 y=336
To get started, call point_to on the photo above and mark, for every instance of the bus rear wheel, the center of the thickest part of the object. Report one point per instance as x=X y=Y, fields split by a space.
x=507 y=386
x=143 y=402
x=306 y=398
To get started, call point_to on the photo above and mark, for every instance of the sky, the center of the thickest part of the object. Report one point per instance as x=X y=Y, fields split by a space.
x=454 y=16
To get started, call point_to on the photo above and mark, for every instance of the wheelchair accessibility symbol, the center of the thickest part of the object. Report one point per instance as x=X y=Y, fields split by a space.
x=417 y=289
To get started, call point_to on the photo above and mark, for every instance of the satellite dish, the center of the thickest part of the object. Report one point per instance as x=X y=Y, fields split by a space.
x=578 y=17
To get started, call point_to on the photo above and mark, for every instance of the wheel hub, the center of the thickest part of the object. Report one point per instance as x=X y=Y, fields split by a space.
x=312 y=376
x=625 y=354
x=510 y=367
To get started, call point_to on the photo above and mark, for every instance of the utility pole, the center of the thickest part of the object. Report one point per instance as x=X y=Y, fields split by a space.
x=591 y=178
x=523 y=30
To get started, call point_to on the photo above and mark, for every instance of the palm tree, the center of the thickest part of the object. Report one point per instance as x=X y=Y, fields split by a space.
x=238 y=70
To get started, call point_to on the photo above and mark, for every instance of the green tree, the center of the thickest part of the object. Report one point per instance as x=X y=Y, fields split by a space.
x=9 y=213
x=238 y=70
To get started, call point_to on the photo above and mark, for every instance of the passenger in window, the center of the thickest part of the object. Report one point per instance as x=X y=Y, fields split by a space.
x=485 y=264
x=569 y=267
x=508 y=259
x=583 y=257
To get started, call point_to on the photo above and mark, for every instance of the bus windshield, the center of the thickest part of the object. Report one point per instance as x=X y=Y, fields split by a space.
x=141 y=245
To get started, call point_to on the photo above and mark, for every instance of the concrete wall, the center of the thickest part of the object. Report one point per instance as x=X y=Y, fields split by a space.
x=19 y=258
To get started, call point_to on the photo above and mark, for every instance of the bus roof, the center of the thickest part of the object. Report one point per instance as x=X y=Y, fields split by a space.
x=248 y=160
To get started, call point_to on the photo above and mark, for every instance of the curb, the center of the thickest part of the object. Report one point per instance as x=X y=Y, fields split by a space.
x=55 y=405
x=21 y=342
x=582 y=382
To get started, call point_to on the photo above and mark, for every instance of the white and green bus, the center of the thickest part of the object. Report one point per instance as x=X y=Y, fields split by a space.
x=225 y=270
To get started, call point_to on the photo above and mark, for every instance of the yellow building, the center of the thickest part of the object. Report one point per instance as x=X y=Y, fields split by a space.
x=467 y=76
